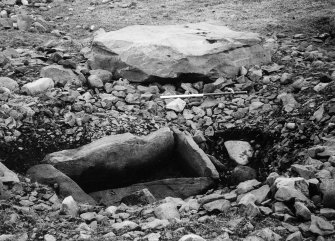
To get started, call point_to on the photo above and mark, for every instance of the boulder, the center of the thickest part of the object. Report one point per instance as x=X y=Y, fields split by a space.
x=47 y=174
x=60 y=75
x=38 y=86
x=174 y=187
x=195 y=158
x=8 y=83
x=141 y=53
x=239 y=151
x=116 y=160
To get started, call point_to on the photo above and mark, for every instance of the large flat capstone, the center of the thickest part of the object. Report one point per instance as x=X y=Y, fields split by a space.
x=142 y=53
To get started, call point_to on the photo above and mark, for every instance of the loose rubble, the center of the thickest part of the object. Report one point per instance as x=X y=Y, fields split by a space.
x=51 y=100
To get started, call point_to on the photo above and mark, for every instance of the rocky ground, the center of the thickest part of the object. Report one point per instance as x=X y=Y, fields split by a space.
x=291 y=101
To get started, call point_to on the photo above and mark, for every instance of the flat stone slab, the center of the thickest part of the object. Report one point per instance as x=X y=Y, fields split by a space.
x=116 y=158
x=172 y=187
x=144 y=53
x=47 y=174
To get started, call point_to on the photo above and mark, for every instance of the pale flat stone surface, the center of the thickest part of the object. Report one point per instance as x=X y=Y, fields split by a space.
x=140 y=52
x=239 y=151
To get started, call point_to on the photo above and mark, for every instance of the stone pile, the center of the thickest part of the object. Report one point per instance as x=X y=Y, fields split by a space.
x=14 y=17
x=295 y=204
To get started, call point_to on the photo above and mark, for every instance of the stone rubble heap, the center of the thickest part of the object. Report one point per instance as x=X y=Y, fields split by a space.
x=302 y=207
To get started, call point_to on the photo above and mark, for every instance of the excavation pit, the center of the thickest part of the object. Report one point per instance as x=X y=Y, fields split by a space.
x=166 y=162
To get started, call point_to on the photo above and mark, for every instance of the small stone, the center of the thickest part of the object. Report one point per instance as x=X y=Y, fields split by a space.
x=95 y=81
x=89 y=216
x=302 y=211
x=8 y=83
x=70 y=206
x=191 y=237
x=38 y=86
x=218 y=205
x=246 y=199
x=328 y=213
x=167 y=211
x=252 y=210
x=289 y=193
x=290 y=126
x=124 y=226
x=176 y=105
x=247 y=186
x=239 y=151
x=286 y=78
x=296 y=236
x=261 y=193
x=49 y=237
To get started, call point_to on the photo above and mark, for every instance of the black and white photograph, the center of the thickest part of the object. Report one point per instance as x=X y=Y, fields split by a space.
x=175 y=120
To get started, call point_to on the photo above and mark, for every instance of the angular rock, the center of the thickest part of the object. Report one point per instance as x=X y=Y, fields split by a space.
x=104 y=75
x=247 y=199
x=70 y=207
x=124 y=226
x=302 y=211
x=60 y=75
x=265 y=234
x=47 y=174
x=143 y=197
x=195 y=158
x=289 y=102
x=239 y=151
x=8 y=83
x=320 y=226
x=252 y=210
x=247 y=186
x=289 y=193
x=191 y=237
x=173 y=187
x=297 y=183
x=217 y=205
x=261 y=193
x=176 y=105
x=296 y=236
x=95 y=81
x=328 y=213
x=167 y=211
x=327 y=188
x=38 y=86
x=121 y=159
x=140 y=53
x=7 y=176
